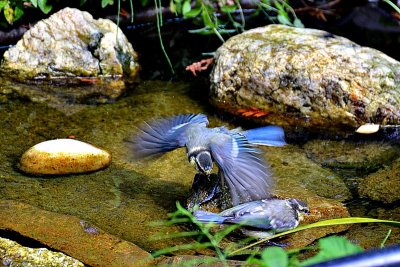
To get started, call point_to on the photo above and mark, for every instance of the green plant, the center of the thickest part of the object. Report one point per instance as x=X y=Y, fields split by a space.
x=13 y=10
x=204 y=237
x=395 y=7
x=328 y=248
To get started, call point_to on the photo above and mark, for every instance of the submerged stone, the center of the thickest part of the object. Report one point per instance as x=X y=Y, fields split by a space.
x=364 y=157
x=307 y=78
x=71 y=235
x=63 y=156
x=383 y=185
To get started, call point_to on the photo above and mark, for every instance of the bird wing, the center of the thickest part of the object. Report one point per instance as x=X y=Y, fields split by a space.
x=248 y=214
x=242 y=167
x=163 y=135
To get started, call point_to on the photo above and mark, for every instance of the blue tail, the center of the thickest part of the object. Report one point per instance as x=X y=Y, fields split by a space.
x=267 y=136
x=208 y=217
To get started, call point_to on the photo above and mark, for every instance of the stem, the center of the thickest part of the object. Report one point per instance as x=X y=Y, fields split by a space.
x=159 y=24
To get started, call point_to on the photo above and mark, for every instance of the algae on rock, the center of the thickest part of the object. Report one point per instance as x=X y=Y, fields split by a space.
x=305 y=77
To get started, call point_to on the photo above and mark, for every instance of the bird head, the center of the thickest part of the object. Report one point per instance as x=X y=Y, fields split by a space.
x=299 y=206
x=203 y=161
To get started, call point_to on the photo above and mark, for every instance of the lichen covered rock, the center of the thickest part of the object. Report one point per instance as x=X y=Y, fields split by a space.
x=13 y=254
x=63 y=156
x=305 y=77
x=70 y=43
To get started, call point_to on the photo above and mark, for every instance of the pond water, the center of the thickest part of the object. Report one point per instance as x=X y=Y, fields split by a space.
x=126 y=197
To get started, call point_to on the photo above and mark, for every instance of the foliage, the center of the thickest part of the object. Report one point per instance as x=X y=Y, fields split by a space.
x=206 y=237
x=328 y=248
x=13 y=10
x=226 y=16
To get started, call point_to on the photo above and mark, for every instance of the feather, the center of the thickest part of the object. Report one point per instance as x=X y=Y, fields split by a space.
x=243 y=169
x=163 y=135
x=267 y=136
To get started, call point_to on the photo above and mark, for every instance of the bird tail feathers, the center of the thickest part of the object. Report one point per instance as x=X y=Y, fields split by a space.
x=208 y=217
x=267 y=136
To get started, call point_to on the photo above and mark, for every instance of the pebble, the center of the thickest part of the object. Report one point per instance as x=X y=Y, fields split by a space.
x=368 y=128
x=63 y=156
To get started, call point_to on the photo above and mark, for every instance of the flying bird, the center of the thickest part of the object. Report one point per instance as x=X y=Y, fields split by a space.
x=239 y=162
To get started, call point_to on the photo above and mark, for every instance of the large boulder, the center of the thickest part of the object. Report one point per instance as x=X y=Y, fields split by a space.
x=305 y=77
x=71 y=43
x=69 y=48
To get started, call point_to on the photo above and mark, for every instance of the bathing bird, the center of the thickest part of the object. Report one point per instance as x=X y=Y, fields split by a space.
x=261 y=218
x=240 y=163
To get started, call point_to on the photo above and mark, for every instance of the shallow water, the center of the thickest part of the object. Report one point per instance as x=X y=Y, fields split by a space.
x=126 y=197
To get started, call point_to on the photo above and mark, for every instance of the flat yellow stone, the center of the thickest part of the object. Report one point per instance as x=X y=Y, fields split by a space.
x=63 y=156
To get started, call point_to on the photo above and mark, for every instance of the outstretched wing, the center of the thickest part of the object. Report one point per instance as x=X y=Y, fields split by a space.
x=163 y=135
x=242 y=167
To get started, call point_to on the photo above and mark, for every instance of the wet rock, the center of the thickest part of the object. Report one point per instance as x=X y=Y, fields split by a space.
x=208 y=194
x=307 y=78
x=68 y=234
x=13 y=254
x=70 y=47
x=293 y=170
x=63 y=156
x=383 y=185
x=364 y=157
x=372 y=235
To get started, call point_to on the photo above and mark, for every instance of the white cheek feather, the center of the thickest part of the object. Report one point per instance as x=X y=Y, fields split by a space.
x=195 y=149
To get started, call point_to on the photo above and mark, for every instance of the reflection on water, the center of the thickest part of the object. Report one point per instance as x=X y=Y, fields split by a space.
x=124 y=198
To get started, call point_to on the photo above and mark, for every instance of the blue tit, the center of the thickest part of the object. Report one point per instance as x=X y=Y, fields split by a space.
x=240 y=164
x=261 y=218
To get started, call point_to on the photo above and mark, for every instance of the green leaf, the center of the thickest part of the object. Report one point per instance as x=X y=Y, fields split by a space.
x=275 y=257
x=186 y=7
x=44 y=7
x=172 y=7
x=9 y=14
x=331 y=248
x=105 y=3
x=207 y=19
x=18 y=12
x=229 y=9
x=34 y=3
x=82 y=2
x=193 y=13
x=3 y=4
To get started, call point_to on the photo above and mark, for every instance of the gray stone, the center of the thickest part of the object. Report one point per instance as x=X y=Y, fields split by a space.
x=305 y=77
x=70 y=43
